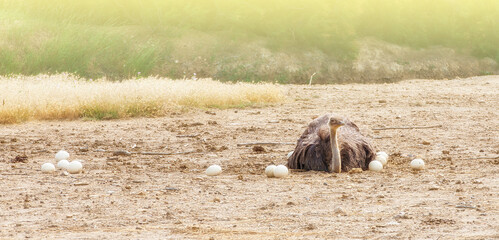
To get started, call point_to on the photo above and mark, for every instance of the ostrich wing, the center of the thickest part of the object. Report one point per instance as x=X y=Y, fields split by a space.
x=310 y=151
x=355 y=149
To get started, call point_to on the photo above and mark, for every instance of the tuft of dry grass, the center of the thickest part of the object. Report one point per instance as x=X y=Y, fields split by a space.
x=64 y=96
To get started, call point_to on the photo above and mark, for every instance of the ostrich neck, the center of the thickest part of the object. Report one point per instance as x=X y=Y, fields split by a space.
x=335 y=165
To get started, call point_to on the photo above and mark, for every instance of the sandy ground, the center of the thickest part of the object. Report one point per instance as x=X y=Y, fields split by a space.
x=151 y=197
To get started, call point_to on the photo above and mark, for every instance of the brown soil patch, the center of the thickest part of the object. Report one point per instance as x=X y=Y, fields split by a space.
x=151 y=197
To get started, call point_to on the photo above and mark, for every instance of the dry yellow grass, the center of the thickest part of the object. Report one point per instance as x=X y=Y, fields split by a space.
x=64 y=96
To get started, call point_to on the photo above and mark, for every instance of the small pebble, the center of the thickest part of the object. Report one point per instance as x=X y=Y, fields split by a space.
x=355 y=170
x=338 y=210
x=258 y=149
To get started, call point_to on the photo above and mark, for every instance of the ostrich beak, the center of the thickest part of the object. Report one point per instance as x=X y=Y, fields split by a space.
x=342 y=123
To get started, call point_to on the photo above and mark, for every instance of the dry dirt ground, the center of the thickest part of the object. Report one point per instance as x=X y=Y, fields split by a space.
x=151 y=197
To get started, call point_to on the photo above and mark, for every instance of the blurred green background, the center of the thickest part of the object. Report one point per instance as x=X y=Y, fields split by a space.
x=222 y=38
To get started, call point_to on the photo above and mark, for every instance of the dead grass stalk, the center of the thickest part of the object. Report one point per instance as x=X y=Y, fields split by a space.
x=65 y=96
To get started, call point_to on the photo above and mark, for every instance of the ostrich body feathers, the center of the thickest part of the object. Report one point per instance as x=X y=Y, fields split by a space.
x=313 y=149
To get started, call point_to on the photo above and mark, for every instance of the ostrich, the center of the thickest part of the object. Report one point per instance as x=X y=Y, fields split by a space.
x=331 y=144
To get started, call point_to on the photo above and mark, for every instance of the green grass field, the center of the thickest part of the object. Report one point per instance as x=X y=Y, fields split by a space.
x=131 y=38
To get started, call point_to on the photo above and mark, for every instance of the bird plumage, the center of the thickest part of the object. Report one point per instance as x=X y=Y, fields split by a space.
x=313 y=149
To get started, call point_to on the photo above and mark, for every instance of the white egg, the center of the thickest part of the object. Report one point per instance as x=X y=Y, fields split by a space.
x=48 y=167
x=269 y=171
x=381 y=158
x=74 y=167
x=213 y=170
x=61 y=155
x=417 y=164
x=375 y=166
x=280 y=171
x=383 y=154
x=290 y=153
x=63 y=164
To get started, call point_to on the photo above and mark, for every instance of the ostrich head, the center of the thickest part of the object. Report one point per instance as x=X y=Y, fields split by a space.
x=335 y=123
